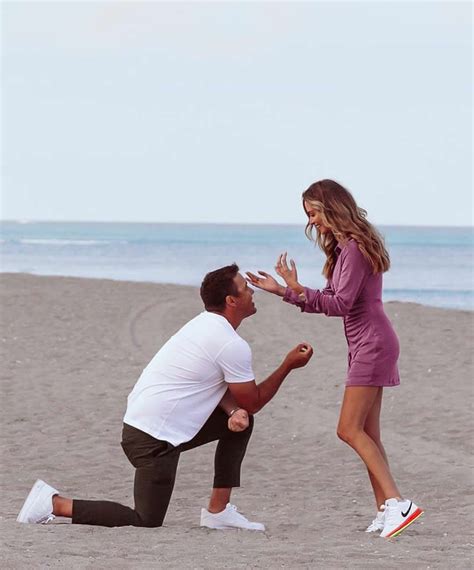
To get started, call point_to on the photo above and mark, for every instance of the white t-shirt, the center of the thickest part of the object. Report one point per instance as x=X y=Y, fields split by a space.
x=187 y=378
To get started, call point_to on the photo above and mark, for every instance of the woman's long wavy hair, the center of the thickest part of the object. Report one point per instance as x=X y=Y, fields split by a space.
x=345 y=220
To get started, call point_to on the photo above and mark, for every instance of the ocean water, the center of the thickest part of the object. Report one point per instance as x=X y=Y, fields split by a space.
x=430 y=265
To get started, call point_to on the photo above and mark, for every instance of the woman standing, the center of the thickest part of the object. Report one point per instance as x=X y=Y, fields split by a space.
x=355 y=261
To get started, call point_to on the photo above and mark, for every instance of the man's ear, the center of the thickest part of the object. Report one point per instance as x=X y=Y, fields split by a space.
x=230 y=300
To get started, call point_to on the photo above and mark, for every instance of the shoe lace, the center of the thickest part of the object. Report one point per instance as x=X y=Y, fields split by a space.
x=374 y=525
x=391 y=515
x=47 y=519
x=237 y=515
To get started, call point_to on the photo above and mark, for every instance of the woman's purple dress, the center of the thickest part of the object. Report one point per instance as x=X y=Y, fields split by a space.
x=355 y=293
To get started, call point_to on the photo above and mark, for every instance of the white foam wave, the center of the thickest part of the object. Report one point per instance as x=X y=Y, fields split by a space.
x=62 y=241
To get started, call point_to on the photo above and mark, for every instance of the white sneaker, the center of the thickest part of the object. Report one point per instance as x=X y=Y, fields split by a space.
x=398 y=516
x=38 y=507
x=228 y=518
x=378 y=522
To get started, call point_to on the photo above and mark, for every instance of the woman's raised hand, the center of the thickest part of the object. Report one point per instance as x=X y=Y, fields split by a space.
x=266 y=282
x=289 y=274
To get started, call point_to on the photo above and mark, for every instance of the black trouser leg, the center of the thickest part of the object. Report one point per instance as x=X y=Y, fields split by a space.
x=230 y=450
x=230 y=453
x=156 y=463
x=153 y=487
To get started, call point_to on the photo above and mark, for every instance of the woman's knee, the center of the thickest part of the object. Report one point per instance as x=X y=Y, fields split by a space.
x=347 y=434
x=342 y=433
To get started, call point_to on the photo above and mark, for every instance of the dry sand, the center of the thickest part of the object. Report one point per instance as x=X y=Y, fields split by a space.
x=73 y=349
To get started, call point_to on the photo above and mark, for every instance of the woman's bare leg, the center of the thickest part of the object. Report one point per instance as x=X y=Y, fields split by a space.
x=372 y=429
x=357 y=403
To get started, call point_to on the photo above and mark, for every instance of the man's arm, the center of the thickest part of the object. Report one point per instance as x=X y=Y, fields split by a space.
x=228 y=403
x=238 y=417
x=252 y=397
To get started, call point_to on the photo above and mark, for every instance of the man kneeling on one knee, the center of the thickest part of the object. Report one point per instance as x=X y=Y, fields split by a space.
x=198 y=388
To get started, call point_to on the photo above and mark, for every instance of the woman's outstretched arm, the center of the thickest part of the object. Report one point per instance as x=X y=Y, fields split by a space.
x=266 y=282
x=336 y=302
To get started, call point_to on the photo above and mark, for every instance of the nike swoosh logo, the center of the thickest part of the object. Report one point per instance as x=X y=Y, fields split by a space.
x=408 y=510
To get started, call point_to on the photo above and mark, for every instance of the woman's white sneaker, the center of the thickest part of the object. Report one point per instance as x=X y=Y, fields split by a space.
x=228 y=518
x=378 y=523
x=38 y=507
x=398 y=516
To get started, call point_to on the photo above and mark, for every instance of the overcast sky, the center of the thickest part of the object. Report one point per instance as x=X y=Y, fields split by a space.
x=226 y=112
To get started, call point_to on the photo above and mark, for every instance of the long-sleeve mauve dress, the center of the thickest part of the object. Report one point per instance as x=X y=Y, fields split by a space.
x=354 y=292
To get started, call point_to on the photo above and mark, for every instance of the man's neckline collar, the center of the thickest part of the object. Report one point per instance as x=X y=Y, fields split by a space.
x=221 y=316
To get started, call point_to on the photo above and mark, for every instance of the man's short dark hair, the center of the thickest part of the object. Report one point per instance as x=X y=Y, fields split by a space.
x=216 y=285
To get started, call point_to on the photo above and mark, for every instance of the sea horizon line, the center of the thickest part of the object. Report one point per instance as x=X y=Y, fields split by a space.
x=26 y=221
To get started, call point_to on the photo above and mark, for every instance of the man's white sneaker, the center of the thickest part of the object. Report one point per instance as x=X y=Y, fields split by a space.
x=378 y=522
x=398 y=516
x=228 y=518
x=38 y=507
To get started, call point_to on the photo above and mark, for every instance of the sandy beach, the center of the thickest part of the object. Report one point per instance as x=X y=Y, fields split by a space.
x=72 y=350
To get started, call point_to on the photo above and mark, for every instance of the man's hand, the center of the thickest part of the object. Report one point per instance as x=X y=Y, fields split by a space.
x=299 y=356
x=266 y=282
x=289 y=274
x=239 y=420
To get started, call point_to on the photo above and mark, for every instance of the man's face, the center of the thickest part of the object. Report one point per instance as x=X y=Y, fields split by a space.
x=244 y=297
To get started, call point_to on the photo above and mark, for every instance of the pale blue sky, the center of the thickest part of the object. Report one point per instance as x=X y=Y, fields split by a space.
x=226 y=112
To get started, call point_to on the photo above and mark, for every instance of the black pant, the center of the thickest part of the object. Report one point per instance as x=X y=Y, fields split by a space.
x=156 y=463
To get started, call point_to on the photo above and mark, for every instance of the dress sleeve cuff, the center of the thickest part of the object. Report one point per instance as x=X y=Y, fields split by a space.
x=291 y=297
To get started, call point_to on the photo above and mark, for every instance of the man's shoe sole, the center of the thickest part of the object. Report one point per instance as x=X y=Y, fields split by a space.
x=229 y=527
x=416 y=515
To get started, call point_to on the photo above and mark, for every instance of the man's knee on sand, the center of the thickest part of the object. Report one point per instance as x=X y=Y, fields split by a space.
x=150 y=521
